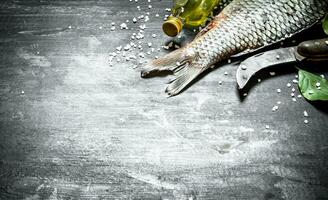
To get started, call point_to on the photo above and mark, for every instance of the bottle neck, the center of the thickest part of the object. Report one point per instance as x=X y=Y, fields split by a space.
x=173 y=26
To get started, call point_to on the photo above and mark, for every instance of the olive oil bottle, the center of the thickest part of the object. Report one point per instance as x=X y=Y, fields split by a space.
x=189 y=13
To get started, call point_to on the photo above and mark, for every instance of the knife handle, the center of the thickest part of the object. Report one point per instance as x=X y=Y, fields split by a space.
x=313 y=50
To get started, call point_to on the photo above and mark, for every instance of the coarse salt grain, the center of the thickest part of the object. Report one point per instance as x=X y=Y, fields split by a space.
x=243 y=67
x=123 y=26
x=119 y=48
x=274 y=108
x=127 y=47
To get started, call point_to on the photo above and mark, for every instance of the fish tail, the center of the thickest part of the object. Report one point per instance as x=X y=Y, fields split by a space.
x=184 y=76
x=183 y=65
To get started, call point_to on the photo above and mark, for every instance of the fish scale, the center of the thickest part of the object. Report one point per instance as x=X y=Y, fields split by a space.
x=242 y=26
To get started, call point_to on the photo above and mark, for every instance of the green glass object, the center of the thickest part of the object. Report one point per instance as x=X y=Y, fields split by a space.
x=189 y=13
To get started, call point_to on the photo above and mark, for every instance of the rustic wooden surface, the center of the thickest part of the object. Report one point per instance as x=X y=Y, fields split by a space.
x=72 y=127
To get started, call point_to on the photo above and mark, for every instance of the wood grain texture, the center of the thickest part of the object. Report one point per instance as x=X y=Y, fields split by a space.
x=72 y=127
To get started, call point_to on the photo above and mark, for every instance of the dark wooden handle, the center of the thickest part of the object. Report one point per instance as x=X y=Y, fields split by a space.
x=315 y=50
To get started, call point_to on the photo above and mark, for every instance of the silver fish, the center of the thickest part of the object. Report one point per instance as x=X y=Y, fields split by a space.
x=242 y=26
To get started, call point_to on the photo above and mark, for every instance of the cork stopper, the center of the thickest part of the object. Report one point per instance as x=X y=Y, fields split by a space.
x=172 y=26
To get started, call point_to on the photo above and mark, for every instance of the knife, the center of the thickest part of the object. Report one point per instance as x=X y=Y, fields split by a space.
x=308 y=51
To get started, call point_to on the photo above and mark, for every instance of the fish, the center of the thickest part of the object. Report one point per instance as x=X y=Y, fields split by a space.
x=241 y=27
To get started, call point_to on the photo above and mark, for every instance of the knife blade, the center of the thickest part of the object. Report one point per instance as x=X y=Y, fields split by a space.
x=309 y=51
x=249 y=67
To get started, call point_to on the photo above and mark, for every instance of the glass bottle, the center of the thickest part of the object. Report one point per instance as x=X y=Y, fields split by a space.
x=189 y=13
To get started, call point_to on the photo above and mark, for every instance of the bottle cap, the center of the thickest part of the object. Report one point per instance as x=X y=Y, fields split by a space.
x=172 y=26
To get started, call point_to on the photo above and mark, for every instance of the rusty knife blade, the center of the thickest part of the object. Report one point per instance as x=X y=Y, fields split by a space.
x=254 y=64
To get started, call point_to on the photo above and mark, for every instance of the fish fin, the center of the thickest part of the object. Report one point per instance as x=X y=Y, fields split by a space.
x=181 y=63
x=169 y=62
x=185 y=74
